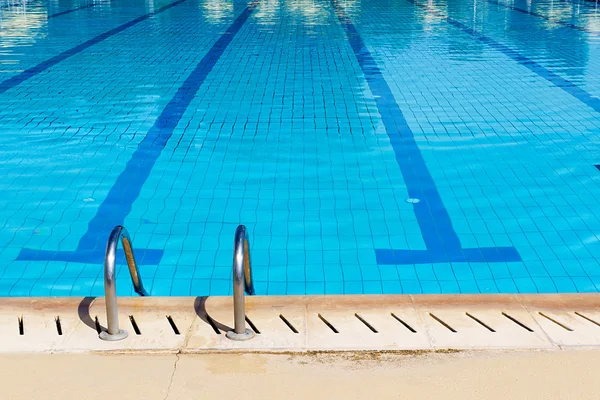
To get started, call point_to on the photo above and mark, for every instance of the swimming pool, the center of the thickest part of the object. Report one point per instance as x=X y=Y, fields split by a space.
x=369 y=146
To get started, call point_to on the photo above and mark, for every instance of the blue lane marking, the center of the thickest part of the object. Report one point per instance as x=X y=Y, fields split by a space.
x=442 y=242
x=117 y=204
x=554 y=20
x=41 y=67
x=566 y=85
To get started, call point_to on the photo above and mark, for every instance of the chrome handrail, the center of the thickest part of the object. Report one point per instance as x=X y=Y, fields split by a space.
x=110 y=282
x=242 y=282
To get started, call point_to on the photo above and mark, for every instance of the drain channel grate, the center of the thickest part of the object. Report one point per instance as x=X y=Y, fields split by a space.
x=134 y=325
x=556 y=322
x=322 y=318
x=443 y=323
x=368 y=325
x=407 y=326
x=213 y=324
x=218 y=328
x=173 y=325
x=587 y=318
x=288 y=323
x=252 y=326
x=58 y=325
x=97 y=325
x=480 y=322
x=516 y=321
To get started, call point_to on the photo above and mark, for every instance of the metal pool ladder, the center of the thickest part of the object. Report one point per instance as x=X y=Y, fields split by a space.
x=113 y=332
x=242 y=282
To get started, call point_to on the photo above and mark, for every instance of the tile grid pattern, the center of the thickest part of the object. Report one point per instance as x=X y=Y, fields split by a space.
x=286 y=137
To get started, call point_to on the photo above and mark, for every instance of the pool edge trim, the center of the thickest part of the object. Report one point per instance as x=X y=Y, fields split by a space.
x=362 y=323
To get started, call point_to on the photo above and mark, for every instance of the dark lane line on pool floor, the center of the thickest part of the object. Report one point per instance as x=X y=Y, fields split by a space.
x=441 y=240
x=126 y=189
x=560 y=82
x=43 y=66
x=535 y=14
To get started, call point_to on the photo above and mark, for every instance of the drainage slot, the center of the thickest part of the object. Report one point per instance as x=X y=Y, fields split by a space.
x=407 y=326
x=327 y=323
x=21 y=326
x=97 y=325
x=212 y=324
x=288 y=323
x=587 y=319
x=134 y=325
x=361 y=319
x=173 y=326
x=556 y=322
x=58 y=325
x=516 y=321
x=443 y=323
x=252 y=326
x=480 y=322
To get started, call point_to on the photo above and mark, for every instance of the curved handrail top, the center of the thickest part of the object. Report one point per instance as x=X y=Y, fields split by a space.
x=242 y=265
x=119 y=232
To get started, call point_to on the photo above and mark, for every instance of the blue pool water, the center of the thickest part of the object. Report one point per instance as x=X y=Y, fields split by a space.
x=373 y=146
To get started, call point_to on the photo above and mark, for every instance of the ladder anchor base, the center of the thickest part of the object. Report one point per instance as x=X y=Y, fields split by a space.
x=248 y=334
x=104 y=335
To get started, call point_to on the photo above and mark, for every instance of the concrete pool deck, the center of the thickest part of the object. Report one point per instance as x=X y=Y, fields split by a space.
x=185 y=325
x=386 y=347
x=543 y=374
